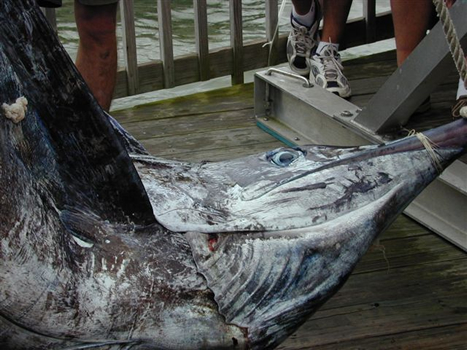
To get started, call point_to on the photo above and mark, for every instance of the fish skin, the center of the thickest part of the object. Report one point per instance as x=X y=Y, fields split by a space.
x=81 y=267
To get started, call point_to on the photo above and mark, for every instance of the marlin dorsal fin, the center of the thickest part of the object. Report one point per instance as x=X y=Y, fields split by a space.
x=65 y=137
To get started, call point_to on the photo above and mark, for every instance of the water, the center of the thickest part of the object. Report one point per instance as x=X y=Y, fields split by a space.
x=147 y=38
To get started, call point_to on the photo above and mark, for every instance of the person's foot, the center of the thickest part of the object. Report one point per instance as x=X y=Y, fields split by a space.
x=301 y=42
x=326 y=71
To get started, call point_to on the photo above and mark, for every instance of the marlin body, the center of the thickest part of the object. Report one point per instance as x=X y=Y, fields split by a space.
x=104 y=245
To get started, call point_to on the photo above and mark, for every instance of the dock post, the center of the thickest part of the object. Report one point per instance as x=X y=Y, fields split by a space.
x=129 y=45
x=165 y=39
x=201 y=36
x=236 y=41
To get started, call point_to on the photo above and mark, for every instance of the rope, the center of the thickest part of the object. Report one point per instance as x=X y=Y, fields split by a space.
x=452 y=38
x=430 y=147
x=17 y=110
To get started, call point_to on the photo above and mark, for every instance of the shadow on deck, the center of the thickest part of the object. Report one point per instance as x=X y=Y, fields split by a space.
x=408 y=292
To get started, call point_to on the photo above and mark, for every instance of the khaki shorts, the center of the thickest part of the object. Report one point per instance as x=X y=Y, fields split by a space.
x=97 y=2
x=58 y=3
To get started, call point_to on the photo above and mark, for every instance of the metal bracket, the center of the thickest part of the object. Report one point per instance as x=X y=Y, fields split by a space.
x=296 y=114
x=306 y=84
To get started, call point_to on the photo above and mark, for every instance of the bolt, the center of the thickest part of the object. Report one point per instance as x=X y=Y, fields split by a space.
x=346 y=113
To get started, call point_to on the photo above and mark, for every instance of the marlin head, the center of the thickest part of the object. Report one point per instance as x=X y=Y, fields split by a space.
x=291 y=188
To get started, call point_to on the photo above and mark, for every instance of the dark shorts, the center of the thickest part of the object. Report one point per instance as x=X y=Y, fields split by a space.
x=58 y=3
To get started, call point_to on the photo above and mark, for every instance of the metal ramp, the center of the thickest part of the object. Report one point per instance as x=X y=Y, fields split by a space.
x=297 y=113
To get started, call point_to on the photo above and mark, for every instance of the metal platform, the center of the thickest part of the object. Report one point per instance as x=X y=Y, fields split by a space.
x=297 y=113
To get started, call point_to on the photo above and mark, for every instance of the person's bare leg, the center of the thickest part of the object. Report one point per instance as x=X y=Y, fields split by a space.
x=97 y=52
x=335 y=14
x=411 y=20
x=326 y=65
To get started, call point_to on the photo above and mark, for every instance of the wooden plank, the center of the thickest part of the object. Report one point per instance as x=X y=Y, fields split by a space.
x=151 y=77
x=166 y=43
x=220 y=154
x=408 y=251
x=129 y=45
x=437 y=338
x=272 y=30
x=390 y=304
x=219 y=124
x=450 y=337
x=256 y=54
x=51 y=17
x=401 y=286
x=368 y=78
x=201 y=36
x=374 y=68
x=190 y=124
x=366 y=86
x=205 y=141
x=233 y=98
x=236 y=41
x=402 y=228
x=369 y=13
x=187 y=70
x=221 y=60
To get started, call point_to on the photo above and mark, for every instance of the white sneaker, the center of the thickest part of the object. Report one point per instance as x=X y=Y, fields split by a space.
x=301 y=42
x=326 y=71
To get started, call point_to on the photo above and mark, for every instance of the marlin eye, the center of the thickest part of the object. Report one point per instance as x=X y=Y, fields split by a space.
x=283 y=158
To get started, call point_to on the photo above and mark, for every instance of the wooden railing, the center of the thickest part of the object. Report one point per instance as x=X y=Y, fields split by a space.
x=234 y=60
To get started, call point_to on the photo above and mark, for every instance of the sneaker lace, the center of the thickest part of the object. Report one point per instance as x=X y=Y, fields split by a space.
x=303 y=40
x=332 y=66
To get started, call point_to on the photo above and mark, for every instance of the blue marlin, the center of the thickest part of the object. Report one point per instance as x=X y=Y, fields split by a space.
x=104 y=245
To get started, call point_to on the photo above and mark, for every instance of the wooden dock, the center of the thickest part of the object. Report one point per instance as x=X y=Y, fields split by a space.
x=408 y=292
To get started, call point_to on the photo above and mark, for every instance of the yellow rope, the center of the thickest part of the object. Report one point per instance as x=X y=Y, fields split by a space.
x=431 y=149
